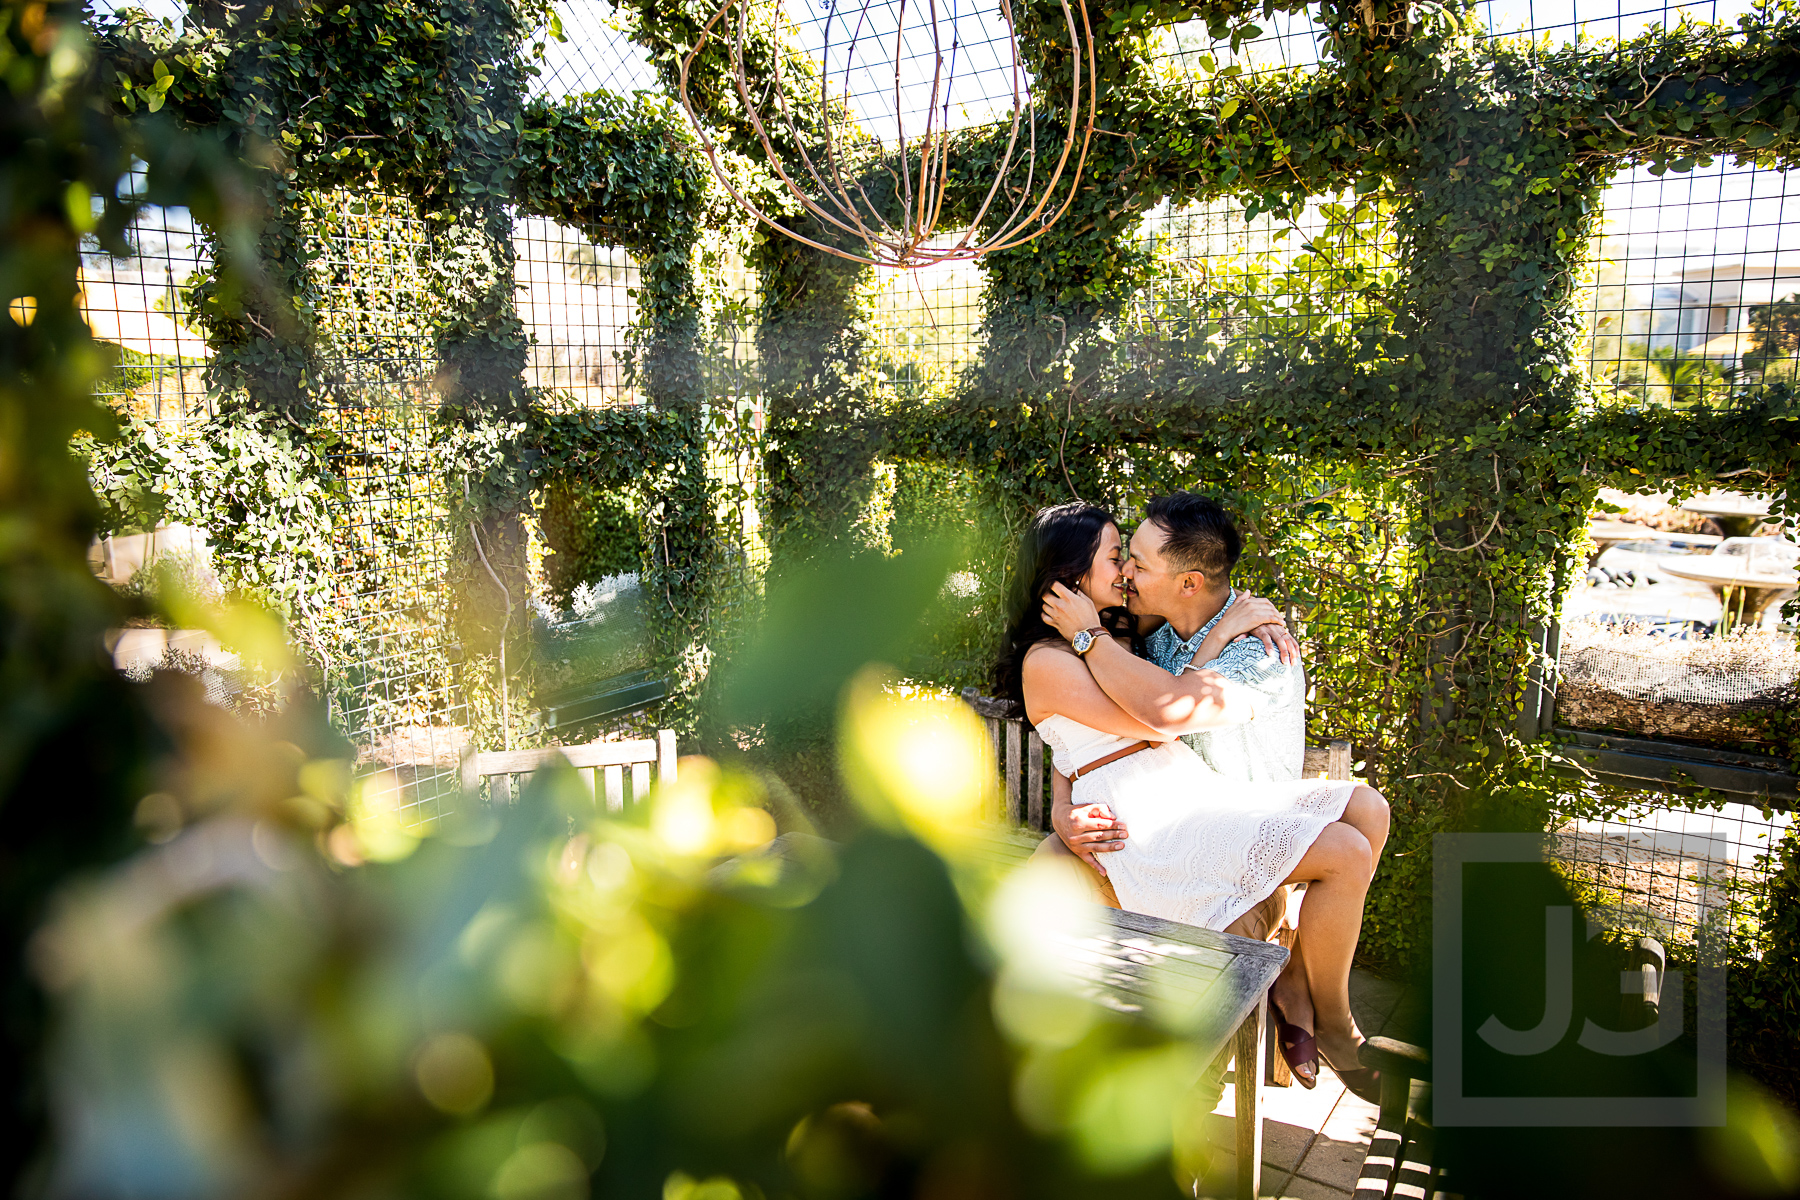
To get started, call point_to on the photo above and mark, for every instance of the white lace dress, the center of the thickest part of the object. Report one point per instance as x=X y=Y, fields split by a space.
x=1203 y=849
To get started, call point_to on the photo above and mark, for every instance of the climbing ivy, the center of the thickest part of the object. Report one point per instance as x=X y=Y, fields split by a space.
x=1450 y=418
x=437 y=114
x=1416 y=411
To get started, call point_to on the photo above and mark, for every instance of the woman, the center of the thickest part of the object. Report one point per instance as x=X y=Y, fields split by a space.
x=1203 y=849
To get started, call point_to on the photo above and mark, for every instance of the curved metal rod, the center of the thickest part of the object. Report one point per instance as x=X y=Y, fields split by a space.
x=920 y=195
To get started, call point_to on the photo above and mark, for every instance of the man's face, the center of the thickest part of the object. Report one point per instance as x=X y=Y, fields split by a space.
x=1151 y=585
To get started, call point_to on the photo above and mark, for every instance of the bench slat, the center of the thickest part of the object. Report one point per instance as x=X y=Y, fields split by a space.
x=1130 y=946
x=611 y=754
x=1187 y=973
x=593 y=754
x=1014 y=812
x=1034 y=780
x=1148 y=984
x=1154 y=981
x=1201 y=939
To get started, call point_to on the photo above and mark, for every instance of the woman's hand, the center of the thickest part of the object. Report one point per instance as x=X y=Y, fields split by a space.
x=1246 y=613
x=1260 y=618
x=1070 y=612
x=1277 y=640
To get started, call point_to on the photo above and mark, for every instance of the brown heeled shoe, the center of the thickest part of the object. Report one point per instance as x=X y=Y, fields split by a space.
x=1363 y=1082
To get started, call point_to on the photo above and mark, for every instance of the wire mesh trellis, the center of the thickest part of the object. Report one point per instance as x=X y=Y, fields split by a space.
x=1242 y=286
x=1692 y=277
x=578 y=303
x=381 y=643
x=136 y=306
x=594 y=52
x=1696 y=289
x=1671 y=872
x=927 y=326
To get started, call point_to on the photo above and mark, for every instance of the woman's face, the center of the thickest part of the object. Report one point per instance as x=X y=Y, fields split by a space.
x=1101 y=583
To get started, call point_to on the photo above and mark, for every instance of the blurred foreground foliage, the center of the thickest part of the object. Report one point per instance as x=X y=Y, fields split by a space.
x=300 y=994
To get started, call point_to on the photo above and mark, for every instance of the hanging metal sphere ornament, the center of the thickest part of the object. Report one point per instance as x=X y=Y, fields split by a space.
x=830 y=163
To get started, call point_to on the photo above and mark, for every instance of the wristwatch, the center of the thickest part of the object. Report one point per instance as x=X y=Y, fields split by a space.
x=1084 y=641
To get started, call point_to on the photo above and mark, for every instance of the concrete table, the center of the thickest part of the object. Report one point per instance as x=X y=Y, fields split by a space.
x=1606 y=534
x=1734 y=584
x=1737 y=514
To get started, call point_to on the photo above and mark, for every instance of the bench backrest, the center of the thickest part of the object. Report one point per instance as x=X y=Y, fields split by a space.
x=1024 y=767
x=601 y=763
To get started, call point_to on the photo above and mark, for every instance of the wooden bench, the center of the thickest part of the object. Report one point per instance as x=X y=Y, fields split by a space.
x=1137 y=965
x=1024 y=767
x=601 y=763
x=1401 y=1157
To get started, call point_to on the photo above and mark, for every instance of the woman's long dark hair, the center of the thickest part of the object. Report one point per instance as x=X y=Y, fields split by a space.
x=1058 y=547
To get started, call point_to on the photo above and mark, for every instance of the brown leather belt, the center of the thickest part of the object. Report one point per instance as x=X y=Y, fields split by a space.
x=1115 y=756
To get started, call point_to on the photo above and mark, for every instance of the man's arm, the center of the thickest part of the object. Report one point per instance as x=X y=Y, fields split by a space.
x=1170 y=704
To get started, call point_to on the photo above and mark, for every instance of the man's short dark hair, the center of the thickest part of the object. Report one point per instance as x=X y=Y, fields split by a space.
x=1200 y=535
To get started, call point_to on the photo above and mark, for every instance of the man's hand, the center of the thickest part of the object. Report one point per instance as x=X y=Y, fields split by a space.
x=1069 y=612
x=1087 y=831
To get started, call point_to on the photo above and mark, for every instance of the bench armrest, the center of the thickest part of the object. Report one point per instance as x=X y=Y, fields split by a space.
x=1393 y=1056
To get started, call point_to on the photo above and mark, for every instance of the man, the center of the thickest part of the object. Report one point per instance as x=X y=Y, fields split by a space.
x=1179 y=580
x=1177 y=583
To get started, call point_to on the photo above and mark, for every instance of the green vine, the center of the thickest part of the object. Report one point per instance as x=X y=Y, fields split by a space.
x=1396 y=409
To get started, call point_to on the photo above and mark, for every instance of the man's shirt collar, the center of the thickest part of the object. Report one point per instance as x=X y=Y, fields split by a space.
x=1170 y=652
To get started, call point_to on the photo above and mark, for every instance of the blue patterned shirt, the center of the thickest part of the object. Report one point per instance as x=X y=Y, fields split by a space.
x=1271 y=747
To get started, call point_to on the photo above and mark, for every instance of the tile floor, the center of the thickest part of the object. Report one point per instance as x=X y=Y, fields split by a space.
x=1313 y=1142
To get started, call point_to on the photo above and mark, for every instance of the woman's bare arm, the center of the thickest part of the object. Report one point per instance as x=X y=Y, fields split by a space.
x=1056 y=681
x=1250 y=615
x=1170 y=705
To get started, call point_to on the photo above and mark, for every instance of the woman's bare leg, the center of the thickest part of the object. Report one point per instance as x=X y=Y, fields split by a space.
x=1292 y=995
x=1367 y=813
x=1291 y=990
x=1336 y=871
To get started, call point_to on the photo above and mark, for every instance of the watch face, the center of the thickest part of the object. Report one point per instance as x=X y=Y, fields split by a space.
x=1083 y=640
